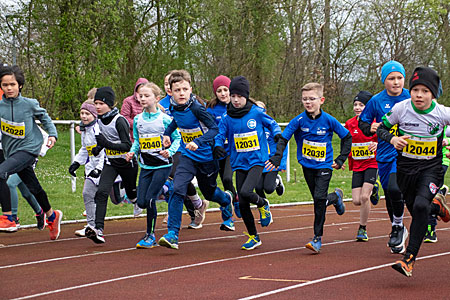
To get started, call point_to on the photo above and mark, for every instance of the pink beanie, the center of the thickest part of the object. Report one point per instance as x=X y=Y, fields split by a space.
x=221 y=80
x=90 y=107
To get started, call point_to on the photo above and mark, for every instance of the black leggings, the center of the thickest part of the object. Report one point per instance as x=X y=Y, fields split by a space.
x=267 y=183
x=107 y=178
x=246 y=182
x=226 y=175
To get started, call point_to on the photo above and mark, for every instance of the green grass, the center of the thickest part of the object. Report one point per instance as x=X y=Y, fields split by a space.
x=56 y=181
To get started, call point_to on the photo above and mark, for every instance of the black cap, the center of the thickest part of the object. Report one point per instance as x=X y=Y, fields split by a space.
x=105 y=94
x=426 y=76
x=239 y=85
x=363 y=97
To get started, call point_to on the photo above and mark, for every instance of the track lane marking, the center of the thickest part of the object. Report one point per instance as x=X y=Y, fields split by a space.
x=272 y=279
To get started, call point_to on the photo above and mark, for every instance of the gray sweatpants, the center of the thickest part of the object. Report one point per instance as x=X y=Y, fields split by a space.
x=89 y=191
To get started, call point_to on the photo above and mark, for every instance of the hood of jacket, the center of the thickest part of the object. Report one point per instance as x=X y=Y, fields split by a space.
x=138 y=83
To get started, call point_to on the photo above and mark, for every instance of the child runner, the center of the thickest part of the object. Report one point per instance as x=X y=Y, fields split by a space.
x=217 y=107
x=114 y=137
x=270 y=180
x=93 y=165
x=198 y=129
x=195 y=206
x=421 y=122
x=243 y=126
x=22 y=141
x=313 y=131
x=363 y=163
x=393 y=78
x=155 y=161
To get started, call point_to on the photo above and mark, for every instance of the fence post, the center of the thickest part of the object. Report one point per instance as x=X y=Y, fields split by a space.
x=72 y=154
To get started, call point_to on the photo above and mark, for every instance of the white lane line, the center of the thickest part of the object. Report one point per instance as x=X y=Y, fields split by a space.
x=182 y=242
x=320 y=280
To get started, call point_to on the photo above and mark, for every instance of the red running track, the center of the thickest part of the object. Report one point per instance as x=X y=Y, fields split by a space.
x=211 y=265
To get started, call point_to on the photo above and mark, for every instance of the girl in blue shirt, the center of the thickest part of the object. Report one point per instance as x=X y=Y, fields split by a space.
x=243 y=127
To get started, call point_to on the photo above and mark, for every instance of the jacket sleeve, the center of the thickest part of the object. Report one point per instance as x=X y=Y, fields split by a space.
x=42 y=115
x=126 y=111
x=346 y=147
x=135 y=146
x=208 y=120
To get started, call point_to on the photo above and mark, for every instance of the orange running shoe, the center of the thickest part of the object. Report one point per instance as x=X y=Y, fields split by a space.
x=405 y=266
x=55 y=226
x=443 y=208
x=7 y=225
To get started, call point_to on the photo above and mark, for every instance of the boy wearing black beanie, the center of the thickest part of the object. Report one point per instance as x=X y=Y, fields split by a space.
x=421 y=122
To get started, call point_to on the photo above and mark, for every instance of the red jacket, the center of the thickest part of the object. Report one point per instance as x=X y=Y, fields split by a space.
x=131 y=106
x=357 y=138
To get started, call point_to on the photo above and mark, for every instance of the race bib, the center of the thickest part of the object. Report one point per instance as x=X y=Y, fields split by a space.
x=89 y=149
x=150 y=142
x=246 y=142
x=361 y=151
x=13 y=129
x=314 y=151
x=115 y=153
x=420 y=148
x=394 y=130
x=188 y=135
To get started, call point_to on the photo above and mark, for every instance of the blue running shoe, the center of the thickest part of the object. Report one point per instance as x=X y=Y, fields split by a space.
x=374 y=198
x=252 y=243
x=339 y=205
x=227 y=225
x=265 y=214
x=315 y=244
x=147 y=242
x=237 y=210
x=362 y=236
x=169 y=240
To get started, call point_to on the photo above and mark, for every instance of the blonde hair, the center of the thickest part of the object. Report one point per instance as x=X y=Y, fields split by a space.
x=179 y=75
x=314 y=86
x=91 y=93
x=260 y=104
x=156 y=92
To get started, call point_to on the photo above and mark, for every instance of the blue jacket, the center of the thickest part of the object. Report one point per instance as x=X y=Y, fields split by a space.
x=313 y=137
x=165 y=102
x=376 y=108
x=248 y=144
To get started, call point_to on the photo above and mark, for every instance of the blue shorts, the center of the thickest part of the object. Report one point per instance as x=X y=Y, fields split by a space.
x=385 y=169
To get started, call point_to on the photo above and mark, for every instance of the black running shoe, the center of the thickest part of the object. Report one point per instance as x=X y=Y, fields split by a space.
x=40 y=220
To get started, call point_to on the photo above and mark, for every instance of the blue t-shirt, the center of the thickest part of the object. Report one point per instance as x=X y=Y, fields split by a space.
x=313 y=137
x=376 y=108
x=248 y=145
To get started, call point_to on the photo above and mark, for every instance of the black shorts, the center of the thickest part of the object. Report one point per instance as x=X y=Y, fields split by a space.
x=369 y=175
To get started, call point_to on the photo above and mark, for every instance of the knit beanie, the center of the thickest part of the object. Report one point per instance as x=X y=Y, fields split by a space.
x=221 y=80
x=90 y=107
x=426 y=76
x=239 y=85
x=363 y=97
x=389 y=67
x=105 y=94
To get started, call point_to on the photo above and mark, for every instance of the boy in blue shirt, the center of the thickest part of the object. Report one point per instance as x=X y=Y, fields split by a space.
x=393 y=78
x=198 y=129
x=313 y=131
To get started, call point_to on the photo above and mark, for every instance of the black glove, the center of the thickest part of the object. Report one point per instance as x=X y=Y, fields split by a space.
x=96 y=150
x=95 y=173
x=73 y=167
x=101 y=140
x=219 y=152
x=277 y=137
x=276 y=160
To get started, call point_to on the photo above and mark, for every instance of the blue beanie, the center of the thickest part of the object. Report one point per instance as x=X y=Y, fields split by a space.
x=389 y=67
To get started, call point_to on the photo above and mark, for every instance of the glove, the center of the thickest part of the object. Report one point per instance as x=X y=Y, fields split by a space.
x=73 y=167
x=95 y=173
x=96 y=150
x=101 y=140
x=219 y=152
x=276 y=160
x=277 y=137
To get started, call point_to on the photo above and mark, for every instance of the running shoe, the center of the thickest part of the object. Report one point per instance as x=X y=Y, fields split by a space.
x=265 y=214
x=199 y=216
x=94 y=234
x=147 y=242
x=361 y=236
x=55 y=226
x=430 y=236
x=339 y=205
x=375 y=197
x=17 y=221
x=136 y=210
x=194 y=225
x=7 y=225
x=444 y=213
x=443 y=190
x=81 y=232
x=252 y=242
x=405 y=266
x=315 y=244
x=169 y=240
x=227 y=225
x=280 y=186
x=398 y=236
x=40 y=220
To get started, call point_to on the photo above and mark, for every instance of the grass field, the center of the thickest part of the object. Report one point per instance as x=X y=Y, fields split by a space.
x=52 y=173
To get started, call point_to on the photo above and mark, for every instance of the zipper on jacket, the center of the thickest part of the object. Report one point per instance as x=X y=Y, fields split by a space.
x=12 y=111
